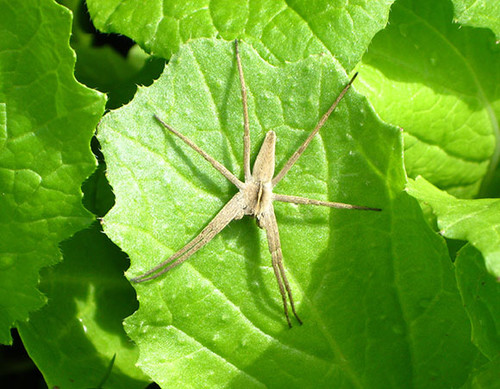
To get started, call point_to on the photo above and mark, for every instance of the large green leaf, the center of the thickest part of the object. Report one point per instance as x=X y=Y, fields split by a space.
x=481 y=296
x=279 y=30
x=376 y=290
x=44 y=151
x=476 y=221
x=439 y=83
x=478 y=13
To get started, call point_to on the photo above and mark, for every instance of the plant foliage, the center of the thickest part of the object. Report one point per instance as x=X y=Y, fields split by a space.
x=386 y=301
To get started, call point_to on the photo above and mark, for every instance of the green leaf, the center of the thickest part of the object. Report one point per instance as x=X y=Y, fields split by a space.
x=376 y=290
x=80 y=329
x=438 y=82
x=105 y=69
x=478 y=13
x=481 y=296
x=98 y=196
x=473 y=220
x=44 y=149
x=281 y=31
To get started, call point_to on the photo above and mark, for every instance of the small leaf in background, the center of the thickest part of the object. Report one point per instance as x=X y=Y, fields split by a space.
x=281 y=31
x=480 y=293
x=104 y=68
x=376 y=290
x=475 y=221
x=478 y=13
x=45 y=153
x=80 y=329
x=439 y=83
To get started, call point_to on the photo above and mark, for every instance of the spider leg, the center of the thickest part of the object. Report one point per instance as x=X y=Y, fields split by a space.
x=306 y=201
x=216 y=164
x=232 y=210
x=246 y=134
x=269 y=223
x=303 y=146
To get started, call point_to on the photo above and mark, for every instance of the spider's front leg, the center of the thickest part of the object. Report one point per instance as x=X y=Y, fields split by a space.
x=234 y=209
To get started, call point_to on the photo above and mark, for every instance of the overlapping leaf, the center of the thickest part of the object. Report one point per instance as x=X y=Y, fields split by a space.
x=103 y=67
x=481 y=296
x=362 y=281
x=478 y=13
x=80 y=329
x=476 y=221
x=48 y=120
x=280 y=30
x=438 y=82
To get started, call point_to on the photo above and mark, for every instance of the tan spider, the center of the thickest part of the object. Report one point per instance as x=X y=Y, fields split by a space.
x=255 y=197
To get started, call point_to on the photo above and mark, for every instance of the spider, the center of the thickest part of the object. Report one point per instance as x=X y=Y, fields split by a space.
x=255 y=196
